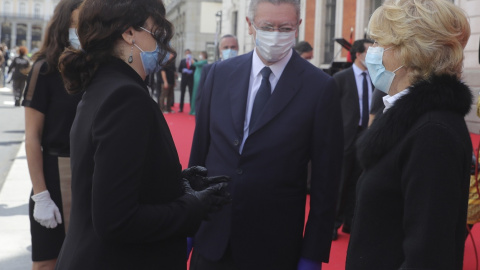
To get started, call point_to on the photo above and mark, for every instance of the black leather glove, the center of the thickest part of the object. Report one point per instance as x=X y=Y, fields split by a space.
x=197 y=176
x=212 y=198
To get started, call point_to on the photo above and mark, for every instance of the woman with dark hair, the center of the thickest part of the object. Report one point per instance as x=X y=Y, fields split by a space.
x=132 y=205
x=49 y=113
x=20 y=66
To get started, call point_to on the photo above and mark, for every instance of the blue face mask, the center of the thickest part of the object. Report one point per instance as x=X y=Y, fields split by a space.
x=229 y=53
x=73 y=38
x=150 y=60
x=381 y=78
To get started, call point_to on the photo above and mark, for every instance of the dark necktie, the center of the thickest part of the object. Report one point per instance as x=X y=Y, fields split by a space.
x=365 y=110
x=263 y=93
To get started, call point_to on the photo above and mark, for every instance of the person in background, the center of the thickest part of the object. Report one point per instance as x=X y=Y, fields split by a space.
x=202 y=61
x=187 y=69
x=49 y=113
x=411 y=207
x=355 y=90
x=257 y=124
x=2 y=64
x=304 y=49
x=168 y=83
x=228 y=48
x=132 y=205
x=20 y=66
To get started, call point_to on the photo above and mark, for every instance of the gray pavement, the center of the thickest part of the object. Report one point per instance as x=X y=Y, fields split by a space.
x=15 y=186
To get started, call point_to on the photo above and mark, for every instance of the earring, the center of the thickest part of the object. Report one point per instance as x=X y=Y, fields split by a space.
x=130 y=58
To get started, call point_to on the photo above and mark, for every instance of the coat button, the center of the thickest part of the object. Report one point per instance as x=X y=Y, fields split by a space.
x=236 y=142
x=239 y=171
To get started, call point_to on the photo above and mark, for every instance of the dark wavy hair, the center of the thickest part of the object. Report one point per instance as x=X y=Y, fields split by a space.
x=56 y=35
x=101 y=24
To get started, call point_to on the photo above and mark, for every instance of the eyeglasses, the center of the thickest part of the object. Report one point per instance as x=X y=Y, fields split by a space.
x=283 y=29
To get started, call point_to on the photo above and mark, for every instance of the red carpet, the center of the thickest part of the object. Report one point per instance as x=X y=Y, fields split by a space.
x=182 y=126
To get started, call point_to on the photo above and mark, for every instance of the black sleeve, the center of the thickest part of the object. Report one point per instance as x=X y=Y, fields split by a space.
x=377 y=102
x=116 y=210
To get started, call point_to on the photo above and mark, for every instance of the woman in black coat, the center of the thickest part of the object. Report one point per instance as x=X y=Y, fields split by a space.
x=412 y=197
x=130 y=209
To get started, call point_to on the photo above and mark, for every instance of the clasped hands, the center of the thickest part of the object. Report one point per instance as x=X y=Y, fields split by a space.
x=210 y=191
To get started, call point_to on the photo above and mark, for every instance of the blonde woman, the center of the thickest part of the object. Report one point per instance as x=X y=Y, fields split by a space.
x=412 y=197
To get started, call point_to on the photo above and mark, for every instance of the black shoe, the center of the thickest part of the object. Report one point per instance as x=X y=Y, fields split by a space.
x=181 y=110
x=335 y=235
x=17 y=103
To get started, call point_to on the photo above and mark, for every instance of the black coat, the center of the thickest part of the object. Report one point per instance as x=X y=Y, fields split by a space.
x=128 y=211
x=412 y=198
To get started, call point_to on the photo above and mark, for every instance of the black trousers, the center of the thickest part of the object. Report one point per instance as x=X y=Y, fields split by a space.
x=351 y=171
x=186 y=82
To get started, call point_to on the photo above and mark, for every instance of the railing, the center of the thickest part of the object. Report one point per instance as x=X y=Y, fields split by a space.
x=4 y=16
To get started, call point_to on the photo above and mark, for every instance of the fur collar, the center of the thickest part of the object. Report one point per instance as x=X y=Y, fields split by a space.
x=445 y=93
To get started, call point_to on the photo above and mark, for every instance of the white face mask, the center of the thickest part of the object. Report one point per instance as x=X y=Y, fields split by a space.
x=73 y=38
x=381 y=78
x=273 y=46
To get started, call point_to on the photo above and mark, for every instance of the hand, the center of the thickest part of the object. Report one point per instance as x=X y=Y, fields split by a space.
x=165 y=86
x=197 y=176
x=46 y=211
x=306 y=264
x=212 y=198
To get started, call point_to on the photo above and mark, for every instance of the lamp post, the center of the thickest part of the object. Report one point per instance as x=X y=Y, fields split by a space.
x=218 y=17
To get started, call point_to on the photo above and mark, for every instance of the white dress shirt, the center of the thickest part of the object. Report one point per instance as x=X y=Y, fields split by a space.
x=389 y=101
x=254 y=84
x=359 y=81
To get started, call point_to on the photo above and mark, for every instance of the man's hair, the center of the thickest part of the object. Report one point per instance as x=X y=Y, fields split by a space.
x=358 y=47
x=303 y=47
x=227 y=36
x=187 y=50
x=252 y=9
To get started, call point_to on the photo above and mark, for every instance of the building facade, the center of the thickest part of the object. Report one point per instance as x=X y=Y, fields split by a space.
x=196 y=24
x=22 y=22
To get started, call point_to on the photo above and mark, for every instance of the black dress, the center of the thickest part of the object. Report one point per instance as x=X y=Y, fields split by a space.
x=128 y=207
x=46 y=94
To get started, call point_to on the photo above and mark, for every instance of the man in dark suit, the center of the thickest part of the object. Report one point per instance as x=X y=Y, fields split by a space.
x=228 y=48
x=263 y=116
x=187 y=69
x=355 y=88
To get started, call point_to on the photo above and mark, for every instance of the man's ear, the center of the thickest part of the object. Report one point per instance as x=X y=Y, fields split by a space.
x=296 y=32
x=250 y=27
x=129 y=35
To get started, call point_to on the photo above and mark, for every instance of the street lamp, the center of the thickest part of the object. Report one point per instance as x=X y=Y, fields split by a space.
x=218 y=17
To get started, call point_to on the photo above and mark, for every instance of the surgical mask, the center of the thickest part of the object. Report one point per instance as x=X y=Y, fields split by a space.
x=229 y=53
x=73 y=38
x=273 y=46
x=150 y=60
x=381 y=78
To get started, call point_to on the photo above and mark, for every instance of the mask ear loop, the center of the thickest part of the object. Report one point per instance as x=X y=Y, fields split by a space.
x=130 y=58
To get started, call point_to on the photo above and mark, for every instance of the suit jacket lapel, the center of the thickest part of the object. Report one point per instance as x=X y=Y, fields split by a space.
x=239 y=79
x=288 y=85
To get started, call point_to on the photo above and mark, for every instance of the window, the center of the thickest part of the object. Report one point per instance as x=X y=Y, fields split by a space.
x=37 y=11
x=22 y=9
x=329 y=31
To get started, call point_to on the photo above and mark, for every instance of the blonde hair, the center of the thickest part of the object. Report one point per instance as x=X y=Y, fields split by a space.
x=428 y=35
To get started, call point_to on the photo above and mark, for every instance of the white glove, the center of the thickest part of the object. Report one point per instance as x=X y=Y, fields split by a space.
x=46 y=212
